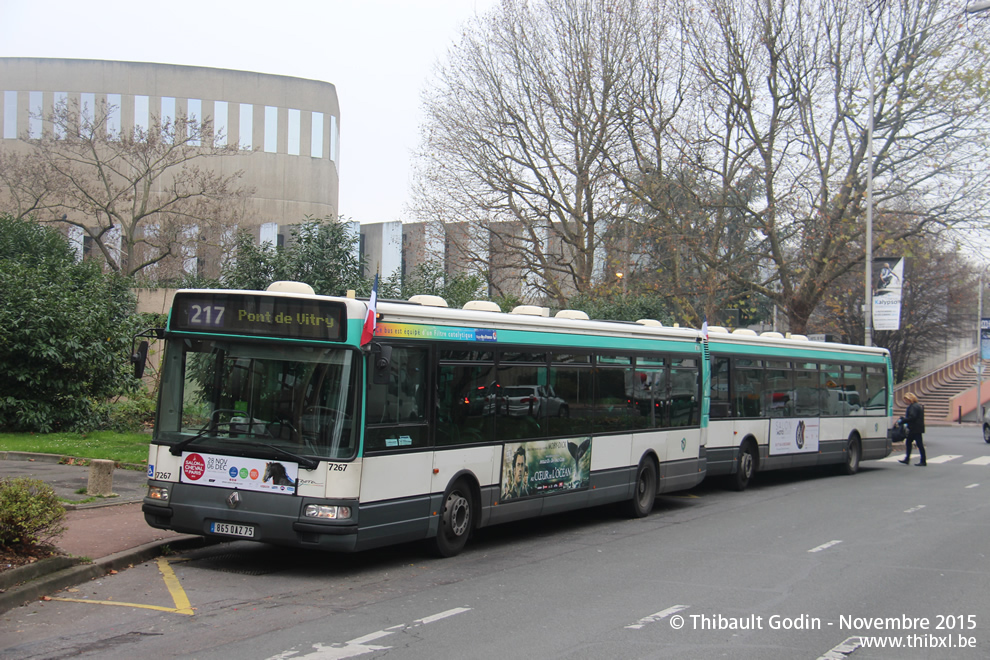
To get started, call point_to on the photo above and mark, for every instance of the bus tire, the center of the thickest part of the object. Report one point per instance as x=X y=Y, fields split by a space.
x=986 y=432
x=645 y=493
x=745 y=467
x=853 y=453
x=456 y=520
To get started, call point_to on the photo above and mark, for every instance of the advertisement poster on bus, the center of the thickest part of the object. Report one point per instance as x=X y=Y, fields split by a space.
x=239 y=472
x=793 y=435
x=540 y=467
x=889 y=283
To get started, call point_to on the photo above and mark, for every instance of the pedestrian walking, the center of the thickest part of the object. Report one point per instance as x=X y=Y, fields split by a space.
x=914 y=423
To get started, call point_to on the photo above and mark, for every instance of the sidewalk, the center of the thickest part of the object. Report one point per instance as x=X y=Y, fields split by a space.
x=109 y=532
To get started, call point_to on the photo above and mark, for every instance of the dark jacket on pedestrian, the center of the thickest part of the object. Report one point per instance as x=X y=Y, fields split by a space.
x=914 y=421
x=914 y=418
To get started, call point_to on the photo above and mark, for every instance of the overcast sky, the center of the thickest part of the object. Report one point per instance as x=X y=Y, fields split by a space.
x=378 y=54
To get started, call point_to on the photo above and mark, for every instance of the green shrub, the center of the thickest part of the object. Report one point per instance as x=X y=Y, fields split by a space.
x=65 y=333
x=132 y=414
x=30 y=513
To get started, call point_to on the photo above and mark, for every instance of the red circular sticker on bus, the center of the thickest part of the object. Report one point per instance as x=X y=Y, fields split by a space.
x=193 y=467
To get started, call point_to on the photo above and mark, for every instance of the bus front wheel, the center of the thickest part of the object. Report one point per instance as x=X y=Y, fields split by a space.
x=456 y=519
x=745 y=467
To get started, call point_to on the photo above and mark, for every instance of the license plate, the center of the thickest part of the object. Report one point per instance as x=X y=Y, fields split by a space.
x=232 y=530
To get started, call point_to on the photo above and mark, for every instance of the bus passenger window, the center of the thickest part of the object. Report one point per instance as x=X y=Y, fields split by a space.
x=617 y=407
x=571 y=399
x=779 y=392
x=806 y=399
x=399 y=406
x=855 y=388
x=685 y=404
x=833 y=400
x=649 y=386
x=520 y=402
x=747 y=387
x=876 y=390
x=721 y=404
x=465 y=411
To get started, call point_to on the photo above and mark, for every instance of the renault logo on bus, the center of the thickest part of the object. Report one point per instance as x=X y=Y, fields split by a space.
x=233 y=499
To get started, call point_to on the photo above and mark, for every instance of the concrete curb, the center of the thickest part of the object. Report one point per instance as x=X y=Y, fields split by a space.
x=31 y=456
x=28 y=572
x=118 y=501
x=63 y=458
x=31 y=582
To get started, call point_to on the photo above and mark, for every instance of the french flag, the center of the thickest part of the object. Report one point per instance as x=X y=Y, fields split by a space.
x=704 y=328
x=371 y=320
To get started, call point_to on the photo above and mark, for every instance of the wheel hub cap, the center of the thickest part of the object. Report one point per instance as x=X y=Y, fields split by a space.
x=457 y=515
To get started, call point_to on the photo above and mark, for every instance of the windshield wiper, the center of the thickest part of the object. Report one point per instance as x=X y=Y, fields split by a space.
x=304 y=461
x=176 y=449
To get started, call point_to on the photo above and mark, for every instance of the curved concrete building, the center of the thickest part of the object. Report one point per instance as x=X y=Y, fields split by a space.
x=287 y=128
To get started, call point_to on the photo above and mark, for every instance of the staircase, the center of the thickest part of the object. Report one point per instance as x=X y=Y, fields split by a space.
x=937 y=389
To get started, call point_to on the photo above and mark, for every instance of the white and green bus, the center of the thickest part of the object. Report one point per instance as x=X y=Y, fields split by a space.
x=785 y=402
x=275 y=424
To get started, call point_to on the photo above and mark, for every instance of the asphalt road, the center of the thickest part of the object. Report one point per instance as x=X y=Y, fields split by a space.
x=802 y=565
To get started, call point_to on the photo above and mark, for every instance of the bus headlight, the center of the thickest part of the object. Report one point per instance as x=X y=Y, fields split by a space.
x=327 y=512
x=158 y=493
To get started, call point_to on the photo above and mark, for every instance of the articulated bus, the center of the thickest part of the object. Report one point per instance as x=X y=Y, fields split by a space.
x=275 y=424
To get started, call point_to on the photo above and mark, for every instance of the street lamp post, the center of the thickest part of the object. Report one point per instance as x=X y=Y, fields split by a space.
x=973 y=8
x=979 y=351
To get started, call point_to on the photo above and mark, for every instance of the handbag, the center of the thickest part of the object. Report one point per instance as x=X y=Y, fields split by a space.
x=897 y=434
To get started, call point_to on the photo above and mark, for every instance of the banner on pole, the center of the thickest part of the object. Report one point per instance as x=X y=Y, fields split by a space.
x=889 y=283
x=985 y=339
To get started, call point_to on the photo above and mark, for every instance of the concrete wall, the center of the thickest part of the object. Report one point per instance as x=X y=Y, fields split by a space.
x=296 y=179
x=382 y=247
x=154 y=301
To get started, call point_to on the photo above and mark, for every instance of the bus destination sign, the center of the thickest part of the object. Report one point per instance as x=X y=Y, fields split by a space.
x=258 y=316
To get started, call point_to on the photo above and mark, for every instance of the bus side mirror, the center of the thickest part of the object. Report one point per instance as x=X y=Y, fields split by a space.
x=139 y=358
x=381 y=357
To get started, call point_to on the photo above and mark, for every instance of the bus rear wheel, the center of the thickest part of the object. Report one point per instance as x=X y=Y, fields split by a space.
x=645 y=494
x=745 y=467
x=851 y=464
x=456 y=519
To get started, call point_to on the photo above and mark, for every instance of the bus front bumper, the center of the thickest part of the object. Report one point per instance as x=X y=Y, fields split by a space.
x=276 y=519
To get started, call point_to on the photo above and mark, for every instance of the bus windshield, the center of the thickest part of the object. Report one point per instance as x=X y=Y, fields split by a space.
x=225 y=396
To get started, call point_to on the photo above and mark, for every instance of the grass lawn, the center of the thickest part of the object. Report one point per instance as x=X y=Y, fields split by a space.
x=122 y=447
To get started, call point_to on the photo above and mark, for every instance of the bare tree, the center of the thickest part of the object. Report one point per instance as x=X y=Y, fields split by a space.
x=782 y=96
x=718 y=147
x=518 y=126
x=140 y=195
x=29 y=187
x=685 y=217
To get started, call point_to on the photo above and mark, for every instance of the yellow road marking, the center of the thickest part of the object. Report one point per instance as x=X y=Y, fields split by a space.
x=182 y=604
x=113 y=602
